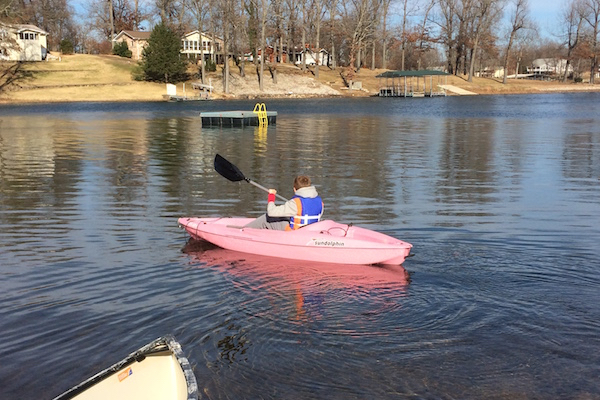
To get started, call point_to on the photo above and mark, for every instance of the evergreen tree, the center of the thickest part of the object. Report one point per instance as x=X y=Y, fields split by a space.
x=161 y=58
x=66 y=46
x=121 y=49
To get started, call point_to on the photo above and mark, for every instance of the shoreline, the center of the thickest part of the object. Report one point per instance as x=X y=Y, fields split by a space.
x=104 y=78
x=282 y=97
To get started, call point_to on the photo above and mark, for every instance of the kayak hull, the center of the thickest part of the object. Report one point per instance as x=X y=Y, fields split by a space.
x=159 y=370
x=325 y=241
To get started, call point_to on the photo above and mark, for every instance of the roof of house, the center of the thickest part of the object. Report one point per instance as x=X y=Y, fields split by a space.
x=137 y=35
x=419 y=73
x=205 y=34
x=540 y=62
x=25 y=28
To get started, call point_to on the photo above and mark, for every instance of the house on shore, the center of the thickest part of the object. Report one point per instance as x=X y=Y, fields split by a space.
x=22 y=43
x=202 y=46
x=313 y=57
x=136 y=42
x=490 y=72
x=549 y=66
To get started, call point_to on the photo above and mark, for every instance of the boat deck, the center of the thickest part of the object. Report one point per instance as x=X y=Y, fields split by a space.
x=235 y=118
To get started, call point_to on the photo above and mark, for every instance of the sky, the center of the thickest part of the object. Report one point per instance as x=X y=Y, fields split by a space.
x=546 y=13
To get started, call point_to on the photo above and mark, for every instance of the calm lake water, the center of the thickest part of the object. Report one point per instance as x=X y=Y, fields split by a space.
x=500 y=196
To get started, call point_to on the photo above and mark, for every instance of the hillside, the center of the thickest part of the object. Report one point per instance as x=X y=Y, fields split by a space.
x=108 y=78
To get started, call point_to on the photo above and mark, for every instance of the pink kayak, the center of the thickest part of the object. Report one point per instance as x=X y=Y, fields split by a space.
x=324 y=241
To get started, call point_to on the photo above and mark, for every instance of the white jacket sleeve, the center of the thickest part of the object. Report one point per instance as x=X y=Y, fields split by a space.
x=287 y=209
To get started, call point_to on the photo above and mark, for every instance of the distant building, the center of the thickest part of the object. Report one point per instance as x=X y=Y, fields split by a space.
x=549 y=66
x=23 y=43
x=491 y=72
x=313 y=57
x=198 y=46
x=136 y=42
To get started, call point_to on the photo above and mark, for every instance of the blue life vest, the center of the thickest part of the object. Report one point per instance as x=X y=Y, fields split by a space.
x=310 y=210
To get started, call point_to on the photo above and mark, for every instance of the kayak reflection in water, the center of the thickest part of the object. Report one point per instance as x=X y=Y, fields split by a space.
x=306 y=207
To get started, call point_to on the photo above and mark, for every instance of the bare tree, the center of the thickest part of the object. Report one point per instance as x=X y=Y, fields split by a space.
x=484 y=15
x=447 y=23
x=263 y=42
x=405 y=16
x=200 y=9
x=360 y=18
x=518 y=22
x=227 y=14
x=318 y=7
x=5 y=7
x=385 y=10
x=572 y=17
x=111 y=19
x=292 y=10
x=424 y=39
x=304 y=22
x=592 y=16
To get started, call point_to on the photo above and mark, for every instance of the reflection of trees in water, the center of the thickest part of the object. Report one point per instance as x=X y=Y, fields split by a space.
x=581 y=156
x=467 y=173
x=233 y=347
x=40 y=166
x=182 y=153
x=126 y=160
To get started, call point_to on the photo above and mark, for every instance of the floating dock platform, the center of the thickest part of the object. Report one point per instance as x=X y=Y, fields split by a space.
x=235 y=118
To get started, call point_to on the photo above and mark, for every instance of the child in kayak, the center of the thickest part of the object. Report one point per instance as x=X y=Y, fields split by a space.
x=306 y=207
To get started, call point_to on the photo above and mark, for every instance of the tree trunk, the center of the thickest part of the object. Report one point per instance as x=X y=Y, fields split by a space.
x=225 y=61
x=202 y=68
x=472 y=58
x=318 y=49
x=332 y=19
x=373 y=56
x=358 y=54
x=510 y=41
x=384 y=40
x=111 y=16
x=263 y=52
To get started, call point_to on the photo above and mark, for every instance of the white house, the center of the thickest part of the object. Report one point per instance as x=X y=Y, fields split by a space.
x=196 y=46
x=547 y=66
x=136 y=42
x=23 y=43
x=491 y=72
x=312 y=58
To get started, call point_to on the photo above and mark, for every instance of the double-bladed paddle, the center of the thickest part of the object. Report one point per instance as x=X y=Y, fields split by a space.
x=233 y=173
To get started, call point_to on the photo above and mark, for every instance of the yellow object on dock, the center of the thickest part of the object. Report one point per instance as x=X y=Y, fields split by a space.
x=260 y=109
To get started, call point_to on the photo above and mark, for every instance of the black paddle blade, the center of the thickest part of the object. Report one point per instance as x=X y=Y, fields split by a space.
x=228 y=170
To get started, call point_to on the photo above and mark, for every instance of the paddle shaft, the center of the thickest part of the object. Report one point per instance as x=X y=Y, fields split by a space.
x=264 y=188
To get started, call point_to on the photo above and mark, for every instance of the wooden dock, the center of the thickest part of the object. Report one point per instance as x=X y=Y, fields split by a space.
x=235 y=118
x=200 y=92
x=172 y=97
